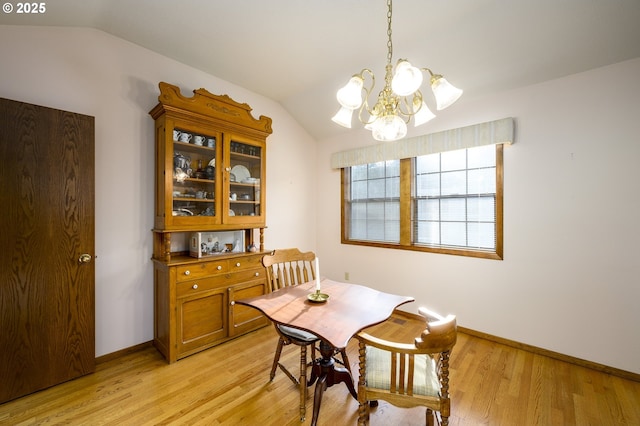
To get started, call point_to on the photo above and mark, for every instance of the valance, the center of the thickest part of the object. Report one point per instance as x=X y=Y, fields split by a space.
x=489 y=133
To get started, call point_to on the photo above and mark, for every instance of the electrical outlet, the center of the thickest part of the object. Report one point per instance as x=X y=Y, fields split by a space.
x=346 y=276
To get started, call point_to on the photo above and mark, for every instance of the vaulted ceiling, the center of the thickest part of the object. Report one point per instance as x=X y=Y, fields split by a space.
x=299 y=52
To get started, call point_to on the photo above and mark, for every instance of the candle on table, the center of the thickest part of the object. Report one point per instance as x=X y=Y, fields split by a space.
x=317 y=275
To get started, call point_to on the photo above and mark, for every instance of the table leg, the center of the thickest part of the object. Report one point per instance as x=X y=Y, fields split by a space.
x=327 y=375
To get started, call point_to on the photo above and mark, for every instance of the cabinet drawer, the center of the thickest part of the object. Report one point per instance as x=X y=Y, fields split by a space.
x=199 y=270
x=245 y=275
x=254 y=261
x=190 y=288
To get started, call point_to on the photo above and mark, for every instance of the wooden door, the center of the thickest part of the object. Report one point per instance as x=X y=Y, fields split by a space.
x=47 y=275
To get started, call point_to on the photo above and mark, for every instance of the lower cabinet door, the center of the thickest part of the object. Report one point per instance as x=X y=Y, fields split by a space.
x=244 y=318
x=201 y=320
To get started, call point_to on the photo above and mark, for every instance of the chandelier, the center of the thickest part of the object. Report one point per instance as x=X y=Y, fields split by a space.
x=399 y=100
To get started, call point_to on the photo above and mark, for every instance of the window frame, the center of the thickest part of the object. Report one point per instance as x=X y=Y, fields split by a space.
x=406 y=182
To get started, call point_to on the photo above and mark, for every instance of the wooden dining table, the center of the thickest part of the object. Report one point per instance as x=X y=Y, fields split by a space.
x=349 y=309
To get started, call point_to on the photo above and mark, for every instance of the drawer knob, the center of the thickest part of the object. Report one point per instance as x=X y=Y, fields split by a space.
x=232 y=302
x=238 y=264
x=219 y=267
x=195 y=286
x=187 y=272
x=257 y=274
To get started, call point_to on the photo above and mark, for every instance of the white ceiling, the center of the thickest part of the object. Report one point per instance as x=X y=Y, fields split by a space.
x=299 y=52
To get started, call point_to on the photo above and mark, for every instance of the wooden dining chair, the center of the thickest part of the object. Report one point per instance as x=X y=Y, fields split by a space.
x=408 y=375
x=290 y=267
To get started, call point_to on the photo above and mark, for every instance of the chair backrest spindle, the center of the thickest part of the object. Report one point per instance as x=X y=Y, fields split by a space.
x=288 y=267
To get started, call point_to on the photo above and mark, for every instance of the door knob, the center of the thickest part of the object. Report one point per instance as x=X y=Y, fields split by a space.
x=84 y=258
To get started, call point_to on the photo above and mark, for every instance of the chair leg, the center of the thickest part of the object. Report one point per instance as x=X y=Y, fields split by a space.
x=345 y=359
x=276 y=358
x=363 y=405
x=303 y=382
x=429 y=417
x=363 y=414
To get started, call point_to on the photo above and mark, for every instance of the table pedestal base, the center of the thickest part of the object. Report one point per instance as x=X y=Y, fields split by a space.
x=327 y=375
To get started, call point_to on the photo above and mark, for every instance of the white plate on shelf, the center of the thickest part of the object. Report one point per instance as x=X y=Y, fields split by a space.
x=231 y=213
x=240 y=172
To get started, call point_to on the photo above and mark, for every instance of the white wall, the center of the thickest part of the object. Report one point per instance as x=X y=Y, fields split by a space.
x=570 y=278
x=91 y=72
x=571 y=178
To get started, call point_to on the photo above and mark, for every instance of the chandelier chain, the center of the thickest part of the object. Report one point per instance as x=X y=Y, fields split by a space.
x=389 y=42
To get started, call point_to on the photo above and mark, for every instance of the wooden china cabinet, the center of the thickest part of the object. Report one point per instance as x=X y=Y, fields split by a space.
x=210 y=197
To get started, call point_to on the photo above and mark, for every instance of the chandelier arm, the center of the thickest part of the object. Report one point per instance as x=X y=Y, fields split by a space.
x=428 y=70
x=407 y=113
x=367 y=93
x=367 y=90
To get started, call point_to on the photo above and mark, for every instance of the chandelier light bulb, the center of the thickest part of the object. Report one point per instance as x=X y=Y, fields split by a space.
x=422 y=112
x=389 y=128
x=343 y=117
x=406 y=79
x=444 y=92
x=350 y=96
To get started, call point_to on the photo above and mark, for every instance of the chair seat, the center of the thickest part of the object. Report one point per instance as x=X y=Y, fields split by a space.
x=378 y=368
x=297 y=334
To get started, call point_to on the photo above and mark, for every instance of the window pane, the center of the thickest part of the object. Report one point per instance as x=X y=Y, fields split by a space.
x=376 y=188
x=359 y=211
x=482 y=235
x=428 y=163
x=392 y=168
x=482 y=156
x=454 y=160
x=428 y=209
x=454 y=183
x=453 y=234
x=482 y=181
x=358 y=172
x=428 y=233
x=376 y=170
x=481 y=209
x=359 y=190
x=358 y=229
x=453 y=209
x=392 y=187
x=428 y=185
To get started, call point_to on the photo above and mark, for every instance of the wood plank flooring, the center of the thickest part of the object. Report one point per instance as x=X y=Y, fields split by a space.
x=491 y=384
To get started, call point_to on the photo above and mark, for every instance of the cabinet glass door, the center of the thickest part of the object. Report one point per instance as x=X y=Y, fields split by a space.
x=194 y=176
x=245 y=160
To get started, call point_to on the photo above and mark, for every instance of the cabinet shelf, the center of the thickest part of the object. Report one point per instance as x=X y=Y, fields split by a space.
x=193 y=148
x=192 y=179
x=245 y=156
x=195 y=200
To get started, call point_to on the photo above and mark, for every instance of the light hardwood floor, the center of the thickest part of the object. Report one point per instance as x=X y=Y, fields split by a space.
x=491 y=384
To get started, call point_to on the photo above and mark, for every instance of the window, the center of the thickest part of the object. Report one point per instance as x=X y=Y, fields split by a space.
x=375 y=202
x=449 y=202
